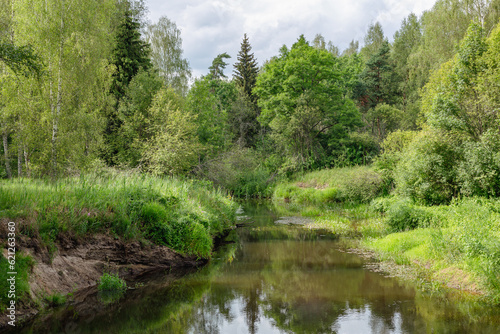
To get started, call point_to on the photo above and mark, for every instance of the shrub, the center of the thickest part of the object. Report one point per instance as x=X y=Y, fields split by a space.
x=403 y=215
x=239 y=171
x=427 y=170
x=479 y=172
x=111 y=282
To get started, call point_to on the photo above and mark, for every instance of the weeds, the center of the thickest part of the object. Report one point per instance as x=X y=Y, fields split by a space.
x=184 y=215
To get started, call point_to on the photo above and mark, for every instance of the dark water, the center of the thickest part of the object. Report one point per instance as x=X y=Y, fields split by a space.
x=271 y=278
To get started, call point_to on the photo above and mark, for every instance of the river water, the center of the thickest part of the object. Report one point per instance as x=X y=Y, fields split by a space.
x=271 y=278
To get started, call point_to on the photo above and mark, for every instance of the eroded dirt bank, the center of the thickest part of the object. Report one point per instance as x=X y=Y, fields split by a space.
x=75 y=264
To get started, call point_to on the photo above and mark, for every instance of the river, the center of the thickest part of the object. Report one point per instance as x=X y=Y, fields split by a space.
x=271 y=278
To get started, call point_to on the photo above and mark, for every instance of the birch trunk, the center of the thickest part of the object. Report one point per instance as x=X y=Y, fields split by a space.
x=6 y=153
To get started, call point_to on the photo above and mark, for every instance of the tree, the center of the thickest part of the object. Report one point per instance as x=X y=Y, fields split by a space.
x=352 y=49
x=129 y=55
x=376 y=82
x=166 y=54
x=245 y=69
x=301 y=101
x=173 y=147
x=211 y=100
x=218 y=66
x=72 y=38
x=453 y=100
x=244 y=111
x=373 y=40
x=406 y=42
x=134 y=113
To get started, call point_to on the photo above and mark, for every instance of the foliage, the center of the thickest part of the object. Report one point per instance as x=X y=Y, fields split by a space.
x=126 y=205
x=301 y=101
x=166 y=54
x=239 y=171
x=479 y=171
x=21 y=59
x=173 y=146
x=210 y=100
x=111 y=282
x=134 y=112
x=426 y=171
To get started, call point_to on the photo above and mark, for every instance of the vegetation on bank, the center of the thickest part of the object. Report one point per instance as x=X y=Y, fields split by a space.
x=455 y=244
x=184 y=215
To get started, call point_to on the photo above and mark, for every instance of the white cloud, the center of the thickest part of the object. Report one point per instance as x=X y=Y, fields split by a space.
x=210 y=27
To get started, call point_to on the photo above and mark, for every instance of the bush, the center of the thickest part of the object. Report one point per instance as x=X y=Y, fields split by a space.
x=239 y=171
x=403 y=215
x=111 y=282
x=427 y=172
x=479 y=172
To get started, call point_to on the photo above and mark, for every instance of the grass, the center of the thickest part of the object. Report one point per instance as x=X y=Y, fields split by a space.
x=462 y=238
x=184 y=215
x=111 y=282
x=23 y=266
x=455 y=245
x=358 y=184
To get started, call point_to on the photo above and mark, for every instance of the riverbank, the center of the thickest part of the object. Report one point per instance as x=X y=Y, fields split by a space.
x=455 y=246
x=71 y=231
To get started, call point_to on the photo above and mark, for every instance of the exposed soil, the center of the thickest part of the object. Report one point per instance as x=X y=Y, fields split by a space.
x=76 y=264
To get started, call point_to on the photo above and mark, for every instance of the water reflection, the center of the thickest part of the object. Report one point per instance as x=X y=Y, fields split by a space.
x=273 y=279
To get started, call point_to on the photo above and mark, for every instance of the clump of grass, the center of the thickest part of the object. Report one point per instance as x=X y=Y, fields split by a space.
x=56 y=299
x=24 y=265
x=111 y=283
x=184 y=215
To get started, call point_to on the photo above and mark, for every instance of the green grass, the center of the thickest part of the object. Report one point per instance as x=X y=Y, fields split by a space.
x=111 y=282
x=358 y=184
x=456 y=245
x=462 y=238
x=184 y=215
x=23 y=267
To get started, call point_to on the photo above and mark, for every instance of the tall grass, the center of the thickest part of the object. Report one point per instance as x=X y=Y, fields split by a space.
x=185 y=215
x=460 y=238
x=358 y=184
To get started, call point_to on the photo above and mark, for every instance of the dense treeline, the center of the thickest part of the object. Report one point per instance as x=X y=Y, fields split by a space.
x=87 y=84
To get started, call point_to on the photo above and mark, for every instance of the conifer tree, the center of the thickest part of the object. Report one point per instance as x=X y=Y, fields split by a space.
x=129 y=56
x=245 y=73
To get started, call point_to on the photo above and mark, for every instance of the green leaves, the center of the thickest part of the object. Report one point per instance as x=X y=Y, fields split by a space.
x=301 y=99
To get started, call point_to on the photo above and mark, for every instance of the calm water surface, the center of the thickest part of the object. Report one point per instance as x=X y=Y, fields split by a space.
x=271 y=278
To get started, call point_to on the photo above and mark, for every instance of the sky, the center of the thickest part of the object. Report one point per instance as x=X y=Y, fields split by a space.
x=212 y=27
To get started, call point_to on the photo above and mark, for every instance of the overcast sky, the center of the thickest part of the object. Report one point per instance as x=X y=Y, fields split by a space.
x=211 y=27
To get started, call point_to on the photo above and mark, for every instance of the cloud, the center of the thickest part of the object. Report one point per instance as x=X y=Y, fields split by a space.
x=211 y=27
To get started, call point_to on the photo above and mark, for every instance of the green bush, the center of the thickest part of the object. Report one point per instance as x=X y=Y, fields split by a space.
x=403 y=215
x=111 y=282
x=427 y=172
x=479 y=172
x=238 y=171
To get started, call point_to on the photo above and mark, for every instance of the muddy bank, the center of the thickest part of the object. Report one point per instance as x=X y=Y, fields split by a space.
x=73 y=265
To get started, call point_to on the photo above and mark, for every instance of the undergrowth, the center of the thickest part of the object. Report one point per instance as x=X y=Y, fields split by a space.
x=184 y=215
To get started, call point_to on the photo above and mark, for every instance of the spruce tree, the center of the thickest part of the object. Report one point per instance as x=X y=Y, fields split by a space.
x=245 y=73
x=129 y=56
